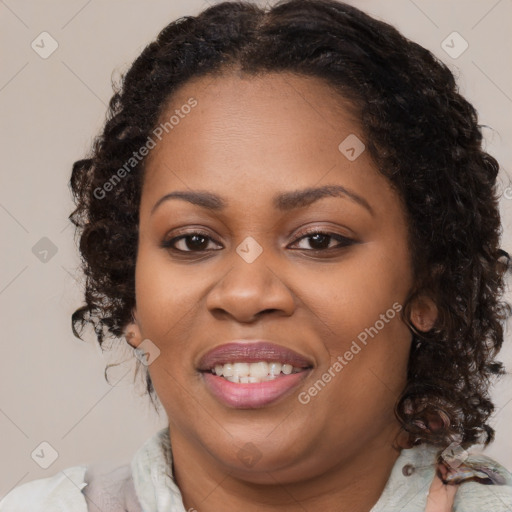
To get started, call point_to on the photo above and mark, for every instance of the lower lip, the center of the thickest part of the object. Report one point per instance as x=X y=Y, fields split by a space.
x=251 y=396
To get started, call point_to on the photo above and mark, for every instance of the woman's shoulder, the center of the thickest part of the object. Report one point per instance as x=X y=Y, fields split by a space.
x=107 y=485
x=58 y=493
x=477 y=497
x=485 y=484
x=108 y=488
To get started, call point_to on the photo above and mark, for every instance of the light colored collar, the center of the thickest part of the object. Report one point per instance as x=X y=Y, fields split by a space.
x=158 y=492
x=152 y=475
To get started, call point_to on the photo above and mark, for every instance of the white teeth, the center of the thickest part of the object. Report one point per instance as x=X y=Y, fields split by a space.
x=274 y=368
x=248 y=373
x=259 y=370
x=250 y=380
x=287 y=369
x=241 y=369
x=226 y=370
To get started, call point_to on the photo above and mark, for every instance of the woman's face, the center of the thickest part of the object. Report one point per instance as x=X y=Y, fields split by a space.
x=328 y=304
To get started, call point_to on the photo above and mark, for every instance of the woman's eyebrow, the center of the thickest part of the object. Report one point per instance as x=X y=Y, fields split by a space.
x=301 y=198
x=283 y=202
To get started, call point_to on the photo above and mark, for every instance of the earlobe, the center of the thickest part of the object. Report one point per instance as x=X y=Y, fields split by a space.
x=423 y=313
x=132 y=331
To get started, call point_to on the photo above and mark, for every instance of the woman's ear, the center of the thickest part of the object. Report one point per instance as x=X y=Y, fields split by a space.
x=423 y=313
x=132 y=331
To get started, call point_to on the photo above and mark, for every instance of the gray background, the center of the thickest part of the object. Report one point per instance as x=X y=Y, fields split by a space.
x=52 y=387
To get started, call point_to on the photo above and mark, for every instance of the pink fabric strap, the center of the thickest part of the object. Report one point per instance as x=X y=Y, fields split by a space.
x=441 y=496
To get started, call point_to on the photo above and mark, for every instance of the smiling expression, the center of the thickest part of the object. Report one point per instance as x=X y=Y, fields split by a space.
x=256 y=167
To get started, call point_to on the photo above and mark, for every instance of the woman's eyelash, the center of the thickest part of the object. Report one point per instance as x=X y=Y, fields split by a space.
x=343 y=241
x=169 y=243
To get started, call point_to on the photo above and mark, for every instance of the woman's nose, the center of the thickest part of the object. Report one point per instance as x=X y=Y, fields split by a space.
x=249 y=288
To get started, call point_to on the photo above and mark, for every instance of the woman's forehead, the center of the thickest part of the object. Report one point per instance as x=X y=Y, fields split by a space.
x=240 y=128
x=258 y=108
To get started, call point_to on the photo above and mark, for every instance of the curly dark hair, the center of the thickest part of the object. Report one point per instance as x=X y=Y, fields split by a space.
x=422 y=135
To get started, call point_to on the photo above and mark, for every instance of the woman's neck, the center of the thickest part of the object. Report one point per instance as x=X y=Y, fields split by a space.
x=354 y=484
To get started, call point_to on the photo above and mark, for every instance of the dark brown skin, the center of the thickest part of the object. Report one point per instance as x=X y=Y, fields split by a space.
x=247 y=140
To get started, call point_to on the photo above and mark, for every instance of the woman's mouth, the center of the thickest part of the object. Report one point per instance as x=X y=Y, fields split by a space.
x=253 y=374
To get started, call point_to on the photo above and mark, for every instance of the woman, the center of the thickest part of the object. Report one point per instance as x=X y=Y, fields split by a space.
x=290 y=217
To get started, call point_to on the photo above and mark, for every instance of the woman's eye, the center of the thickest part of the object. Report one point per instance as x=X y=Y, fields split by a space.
x=191 y=242
x=321 y=241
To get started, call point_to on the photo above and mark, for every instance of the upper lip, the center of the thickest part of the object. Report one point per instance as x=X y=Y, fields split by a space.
x=251 y=351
